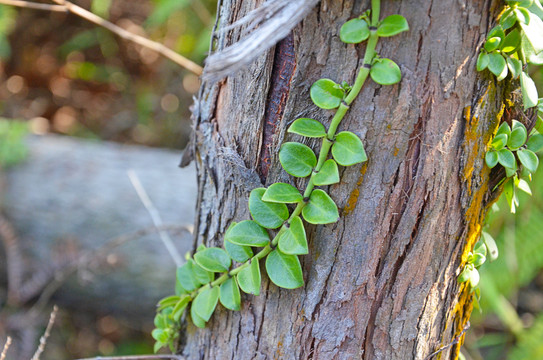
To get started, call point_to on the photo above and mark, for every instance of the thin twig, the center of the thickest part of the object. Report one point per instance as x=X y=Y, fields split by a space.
x=454 y=342
x=155 y=217
x=91 y=255
x=6 y=347
x=67 y=6
x=45 y=336
x=137 y=357
x=33 y=5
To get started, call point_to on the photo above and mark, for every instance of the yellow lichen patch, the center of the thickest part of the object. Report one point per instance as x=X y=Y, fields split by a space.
x=396 y=151
x=353 y=197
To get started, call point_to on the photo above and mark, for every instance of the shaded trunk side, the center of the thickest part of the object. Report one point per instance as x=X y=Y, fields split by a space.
x=380 y=283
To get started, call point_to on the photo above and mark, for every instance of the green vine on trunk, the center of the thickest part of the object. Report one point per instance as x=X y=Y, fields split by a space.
x=510 y=47
x=210 y=275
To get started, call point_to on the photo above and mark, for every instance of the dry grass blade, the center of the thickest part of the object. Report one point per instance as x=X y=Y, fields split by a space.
x=45 y=336
x=6 y=348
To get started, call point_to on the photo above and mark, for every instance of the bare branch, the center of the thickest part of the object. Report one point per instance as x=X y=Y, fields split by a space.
x=6 y=348
x=273 y=21
x=155 y=216
x=43 y=339
x=66 y=6
x=33 y=5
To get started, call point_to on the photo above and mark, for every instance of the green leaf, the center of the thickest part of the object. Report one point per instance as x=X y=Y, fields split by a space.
x=348 y=149
x=197 y=319
x=499 y=141
x=326 y=94
x=297 y=159
x=508 y=19
x=180 y=306
x=354 y=31
x=482 y=61
x=518 y=136
x=160 y=321
x=504 y=129
x=213 y=259
x=230 y=296
x=480 y=248
x=533 y=30
x=523 y=185
x=167 y=302
x=464 y=275
x=308 y=128
x=511 y=41
x=492 y=44
x=320 y=209
x=496 y=31
x=186 y=277
x=392 y=25
x=158 y=345
x=491 y=158
x=535 y=142
x=529 y=91
x=496 y=63
x=531 y=55
x=385 y=72
x=160 y=335
x=507 y=159
x=510 y=195
x=327 y=175
x=249 y=278
x=491 y=246
x=522 y=16
x=478 y=259
x=515 y=66
x=292 y=239
x=282 y=193
x=284 y=270
x=528 y=159
x=248 y=233
x=474 y=277
x=238 y=253
x=267 y=214
x=203 y=276
x=205 y=302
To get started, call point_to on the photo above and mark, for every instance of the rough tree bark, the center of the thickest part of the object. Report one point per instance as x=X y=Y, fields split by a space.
x=380 y=283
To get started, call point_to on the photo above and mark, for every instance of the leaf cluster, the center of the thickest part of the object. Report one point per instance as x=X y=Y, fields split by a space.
x=514 y=43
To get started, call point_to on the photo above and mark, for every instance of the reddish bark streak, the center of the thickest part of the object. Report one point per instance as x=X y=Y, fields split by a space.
x=284 y=64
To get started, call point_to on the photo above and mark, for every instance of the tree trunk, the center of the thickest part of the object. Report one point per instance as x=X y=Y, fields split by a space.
x=381 y=282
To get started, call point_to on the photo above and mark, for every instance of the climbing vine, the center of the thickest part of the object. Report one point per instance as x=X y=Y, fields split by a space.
x=510 y=47
x=276 y=233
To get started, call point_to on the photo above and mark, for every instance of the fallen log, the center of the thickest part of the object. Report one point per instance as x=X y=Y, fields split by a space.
x=70 y=196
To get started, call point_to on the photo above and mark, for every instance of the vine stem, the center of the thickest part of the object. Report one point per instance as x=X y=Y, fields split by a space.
x=326 y=145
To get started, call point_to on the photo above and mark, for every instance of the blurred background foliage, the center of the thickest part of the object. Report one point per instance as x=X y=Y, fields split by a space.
x=61 y=74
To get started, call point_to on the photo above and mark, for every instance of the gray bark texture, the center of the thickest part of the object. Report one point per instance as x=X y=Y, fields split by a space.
x=381 y=282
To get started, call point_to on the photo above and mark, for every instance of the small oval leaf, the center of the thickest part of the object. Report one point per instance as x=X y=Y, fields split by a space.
x=249 y=278
x=267 y=214
x=186 y=277
x=518 y=136
x=205 y=302
x=282 y=193
x=482 y=61
x=385 y=72
x=213 y=259
x=507 y=159
x=326 y=94
x=197 y=319
x=230 y=296
x=491 y=158
x=248 y=233
x=297 y=159
x=308 y=128
x=499 y=141
x=392 y=25
x=238 y=253
x=284 y=270
x=348 y=149
x=320 y=209
x=327 y=175
x=529 y=159
x=293 y=240
x=535 y=142
x=354 y=31
x=496 y=63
